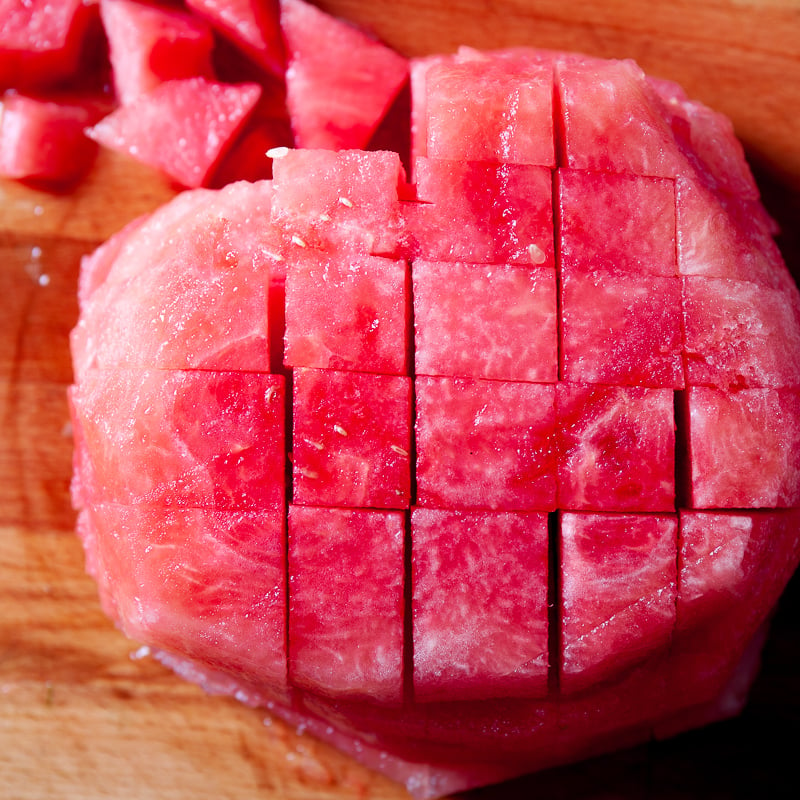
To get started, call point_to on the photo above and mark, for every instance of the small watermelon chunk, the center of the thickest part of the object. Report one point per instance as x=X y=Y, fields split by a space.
x=365 y=330
x=352 y=439
x=616 y=448
x=480 y=604
x=149 y=45
x=744 y=448
x=339 y=82
x=346 y=602
x=43 y=140
x=485 y=444
x=493 y=321
x=183 y=438
x=196 y=119
x=482 y=212
x=618 y=589
x=253 y=25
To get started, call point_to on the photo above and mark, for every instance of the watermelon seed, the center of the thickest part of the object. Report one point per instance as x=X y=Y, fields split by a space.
x=277 y=152
x=536 y=254
x=308 y=473
x=346 y=202
x=340 y=430
x=400 y=451
x=317 y=445
x=298 y=241
x=325 y=217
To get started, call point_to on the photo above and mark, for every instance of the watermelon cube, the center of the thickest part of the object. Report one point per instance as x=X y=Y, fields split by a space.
x=206 y=583
x=621 y=329
x=494 y=321
x=183 y=438
x=344 y=200
x=346 y=602
x=618 y=589
x=616 y=448
x=352 y=439
x=615 y=223
x=479 y=604
x=44 y=140
x=149 y=45
x=197 y=120
x=741 y=334
x=481 y=109
x=485 y=444
x=482 y=212
x=364 y=330
x=340 y=82
x=744 y=447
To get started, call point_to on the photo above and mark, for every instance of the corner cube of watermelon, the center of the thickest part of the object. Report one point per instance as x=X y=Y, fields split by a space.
x=209 y=584
x=364 y=330
x=725 y=236
x=485 y=444
x=352 y=439
x=339 y=200
x=622 y=329
x=741 y=334
x=729 y=576
x=594 y=97
x=616 y=448
x=253 y=25
x=183 y=438
x=490 y=110
x=346 y=602
x=479 y=604
x=482 y=212
x=44 y=140
x=744 y=447
x=618 y=588
x=496 y=321
x=340 y=82
x=149 y=45
x=616 y=223
x=197 y=121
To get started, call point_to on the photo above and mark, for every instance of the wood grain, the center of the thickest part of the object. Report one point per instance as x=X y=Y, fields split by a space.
x=78 y=716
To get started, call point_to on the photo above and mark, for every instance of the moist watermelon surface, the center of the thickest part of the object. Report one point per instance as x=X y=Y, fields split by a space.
x=470 y=474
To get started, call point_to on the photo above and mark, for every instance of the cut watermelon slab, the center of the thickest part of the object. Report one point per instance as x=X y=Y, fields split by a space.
x=352 y=439
x=479 y=604
x=196 y=119
x=149 y=45
x=346 y=602
x=495 y=321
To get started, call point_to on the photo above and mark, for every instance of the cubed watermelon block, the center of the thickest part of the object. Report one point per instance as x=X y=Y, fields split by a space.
x=481 y=212
x=365 y=330
x=616 y=223
x=744 y=448
x=183 y=438
x=621 y=330
x=208 y=584
x=616 y=448
x=485 y=444
x=346 y=602
x=490 y=110
x=741 y=334
x=352 y=439
x=496 y=321
x=479 y=604
x=618 y=584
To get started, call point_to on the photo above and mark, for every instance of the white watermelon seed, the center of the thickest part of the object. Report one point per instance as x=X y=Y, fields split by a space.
x=340 y=430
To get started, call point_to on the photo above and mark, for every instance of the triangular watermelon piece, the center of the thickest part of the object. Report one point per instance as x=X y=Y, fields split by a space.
x=339 y=82
x=253 y=25
x=149 y=45
x=196 y=121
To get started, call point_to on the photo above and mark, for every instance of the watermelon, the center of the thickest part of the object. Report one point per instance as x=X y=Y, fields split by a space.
x=469 y=471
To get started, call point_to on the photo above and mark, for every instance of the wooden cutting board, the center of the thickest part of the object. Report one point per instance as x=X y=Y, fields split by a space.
x=80 y=715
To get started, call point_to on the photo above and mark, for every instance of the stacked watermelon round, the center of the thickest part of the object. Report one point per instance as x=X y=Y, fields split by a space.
x=474 y=470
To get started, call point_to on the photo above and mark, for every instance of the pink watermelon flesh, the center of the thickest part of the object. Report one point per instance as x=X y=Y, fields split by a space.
x=195 y=120
x=339 y=81
x=149 y=45
x=534 y=490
